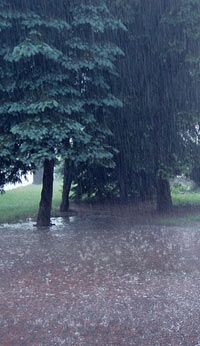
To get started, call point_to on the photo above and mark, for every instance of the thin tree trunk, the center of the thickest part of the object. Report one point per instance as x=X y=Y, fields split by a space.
x=44 y=213
x=164 y=199
x=67 y=182
x=79 y=192
x=146 y=186
x=123 y=194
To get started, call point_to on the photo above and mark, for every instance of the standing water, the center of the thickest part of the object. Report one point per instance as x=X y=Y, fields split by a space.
x=100 y=277
x=109 y=92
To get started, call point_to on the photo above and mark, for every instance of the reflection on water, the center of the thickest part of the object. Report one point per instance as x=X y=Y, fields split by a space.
x=72 y=218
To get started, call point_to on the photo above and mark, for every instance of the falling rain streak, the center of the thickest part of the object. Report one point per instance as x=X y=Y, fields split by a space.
x=105 y=95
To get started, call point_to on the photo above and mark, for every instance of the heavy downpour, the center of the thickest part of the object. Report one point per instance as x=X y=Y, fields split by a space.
x=99 y=172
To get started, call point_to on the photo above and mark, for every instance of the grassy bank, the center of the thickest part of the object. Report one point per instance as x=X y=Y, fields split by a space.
x=22 y=203
x=186 y=198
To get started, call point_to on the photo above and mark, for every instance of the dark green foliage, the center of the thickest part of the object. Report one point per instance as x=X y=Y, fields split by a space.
x=155 y=132
x=58 y=61
x=61 y=66
x=58 y=65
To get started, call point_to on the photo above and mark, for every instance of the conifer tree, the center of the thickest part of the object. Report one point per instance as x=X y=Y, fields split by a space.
x=153 y=130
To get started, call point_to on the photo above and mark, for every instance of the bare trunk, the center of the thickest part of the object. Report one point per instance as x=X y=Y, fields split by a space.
x=123 y=194
x=164 y=199
x=145 y=186
x=44 y=213
x=67 y=182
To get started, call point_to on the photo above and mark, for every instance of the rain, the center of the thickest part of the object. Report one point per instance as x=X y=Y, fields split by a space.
x=99 y=172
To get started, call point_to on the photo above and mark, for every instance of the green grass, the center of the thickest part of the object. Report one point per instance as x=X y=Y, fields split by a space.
x=22 y=203
x=178 y=220
x=186 y=198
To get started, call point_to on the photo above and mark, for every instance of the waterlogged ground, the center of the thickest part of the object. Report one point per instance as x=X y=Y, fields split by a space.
x=98 y=278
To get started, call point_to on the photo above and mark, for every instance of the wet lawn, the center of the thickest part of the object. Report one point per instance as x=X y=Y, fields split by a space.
x=22 y=203
x=100 y=278
x=186 y=197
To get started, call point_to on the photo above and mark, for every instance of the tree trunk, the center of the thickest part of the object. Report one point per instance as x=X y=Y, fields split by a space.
x=164 y=199
x=195 y=175
x=44 y=213
x=123 y=194
x=38 y=176
x=79 y=192
x=67 y=181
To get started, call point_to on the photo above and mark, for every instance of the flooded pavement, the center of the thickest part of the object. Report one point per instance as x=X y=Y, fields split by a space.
x=96 y=278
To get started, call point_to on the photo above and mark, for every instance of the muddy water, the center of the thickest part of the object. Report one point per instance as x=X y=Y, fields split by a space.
x=97 y=278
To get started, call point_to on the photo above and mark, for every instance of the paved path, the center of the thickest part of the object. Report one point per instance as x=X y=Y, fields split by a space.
x=98 y=279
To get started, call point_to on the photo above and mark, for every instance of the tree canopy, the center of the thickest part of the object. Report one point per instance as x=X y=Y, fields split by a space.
x=109 y=87
x=56 y=64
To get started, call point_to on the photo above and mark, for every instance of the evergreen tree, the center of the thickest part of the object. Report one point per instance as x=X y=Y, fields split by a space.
x=153 y=131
